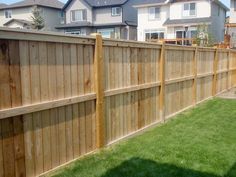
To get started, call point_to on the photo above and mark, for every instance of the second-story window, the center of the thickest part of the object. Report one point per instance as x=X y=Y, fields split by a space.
x=154 y=13
x=78 y=15
x=8 y=14
x=189 y=9
x=115 y=11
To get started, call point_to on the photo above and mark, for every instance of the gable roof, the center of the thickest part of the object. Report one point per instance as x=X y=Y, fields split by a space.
x=221 y=4
x=23 y=22
x=25 y=3
x=100 y=3
x=2 y=5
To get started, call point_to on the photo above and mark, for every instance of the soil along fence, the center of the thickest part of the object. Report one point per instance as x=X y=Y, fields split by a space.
x=64 y=96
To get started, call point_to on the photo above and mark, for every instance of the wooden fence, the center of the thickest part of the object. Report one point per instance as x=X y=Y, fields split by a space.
x=63 y=96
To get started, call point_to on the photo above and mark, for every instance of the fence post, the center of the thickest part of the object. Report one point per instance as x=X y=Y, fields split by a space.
x=99 y=88
x=228 y=71
x=195 y=77
x=162 y=79
x=215 y=68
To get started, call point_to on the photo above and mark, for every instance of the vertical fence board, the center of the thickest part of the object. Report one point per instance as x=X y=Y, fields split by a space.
x=60 y=86
x=26 y=100
x=146 y=83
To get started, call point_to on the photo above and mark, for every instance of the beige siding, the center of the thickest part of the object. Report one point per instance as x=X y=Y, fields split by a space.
x=232 y=12
x=19 y=13
x=75 y=5
x=51 y=17
x=103 y=15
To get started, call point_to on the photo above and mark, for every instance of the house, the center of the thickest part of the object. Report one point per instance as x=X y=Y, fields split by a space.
x=179 y=19
x=19 y=15
x=231 y=24
x=112 y=18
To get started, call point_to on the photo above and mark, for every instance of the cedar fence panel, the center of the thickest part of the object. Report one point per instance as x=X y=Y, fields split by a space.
x=63 y=96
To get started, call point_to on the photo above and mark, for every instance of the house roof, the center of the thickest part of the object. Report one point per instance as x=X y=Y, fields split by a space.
x=100 y=3
x=88 y=24
x=24 y=22
x=181 y=22
x=140 y=3
x=221 y=4
x=25 y=3
x=75 y=24
x=2 y=5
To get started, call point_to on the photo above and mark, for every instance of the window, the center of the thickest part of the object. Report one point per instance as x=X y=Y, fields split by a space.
x=193 y=34
x=154 y=35
x=8 y=14
x=107 y=32
x=189 y=9
x=78 y=32
x=218 y=10
x=115 y=11
x=78 y=15
x=154 y=13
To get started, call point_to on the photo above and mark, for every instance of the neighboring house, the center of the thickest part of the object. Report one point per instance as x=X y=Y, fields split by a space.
x=232 y=18
x=19 y=15
x=112 y=18
x=231 y=24
x=2 y=5
x=173 y=19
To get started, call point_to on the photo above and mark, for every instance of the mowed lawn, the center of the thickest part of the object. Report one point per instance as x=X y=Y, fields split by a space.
x=197 y=143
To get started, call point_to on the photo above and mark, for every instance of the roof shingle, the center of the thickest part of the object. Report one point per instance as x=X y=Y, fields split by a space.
x=169 y=22
x=100 y=3
x=47 y=3
x=2 y=5
x=146 y=2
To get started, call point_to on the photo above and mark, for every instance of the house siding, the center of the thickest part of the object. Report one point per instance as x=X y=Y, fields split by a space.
x=17 y=13
x=78 y=4
x=203 y=9
x=232 y=18
x=129 y=12
x=50 y=16
x=217 y=27
x=103 y=16
x=174 y=11
x=145 y=24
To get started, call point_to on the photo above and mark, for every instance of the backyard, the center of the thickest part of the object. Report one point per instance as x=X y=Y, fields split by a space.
x=197 y=143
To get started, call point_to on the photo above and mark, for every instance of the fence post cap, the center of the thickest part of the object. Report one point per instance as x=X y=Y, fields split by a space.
x=95 y=34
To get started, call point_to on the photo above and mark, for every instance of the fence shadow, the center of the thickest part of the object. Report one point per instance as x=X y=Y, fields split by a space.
x=137 y=167
x=232 y=171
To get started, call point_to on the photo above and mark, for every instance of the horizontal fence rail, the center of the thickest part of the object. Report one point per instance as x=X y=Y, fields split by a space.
x=63 y=96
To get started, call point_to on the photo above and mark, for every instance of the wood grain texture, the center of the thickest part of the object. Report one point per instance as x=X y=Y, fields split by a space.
x=99 y=86
x=63 y=97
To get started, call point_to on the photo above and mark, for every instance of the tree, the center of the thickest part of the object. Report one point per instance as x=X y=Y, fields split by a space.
x=204 y=37
x=38 y=21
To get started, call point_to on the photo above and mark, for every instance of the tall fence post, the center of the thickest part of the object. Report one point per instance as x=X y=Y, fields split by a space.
x=99 y=88
x=162 y=79
x=215 y=68
x=195 y=76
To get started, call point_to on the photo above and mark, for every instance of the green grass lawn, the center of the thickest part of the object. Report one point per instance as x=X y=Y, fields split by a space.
x=197 y=143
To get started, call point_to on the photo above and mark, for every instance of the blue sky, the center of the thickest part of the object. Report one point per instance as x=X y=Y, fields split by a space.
x=12 y=1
